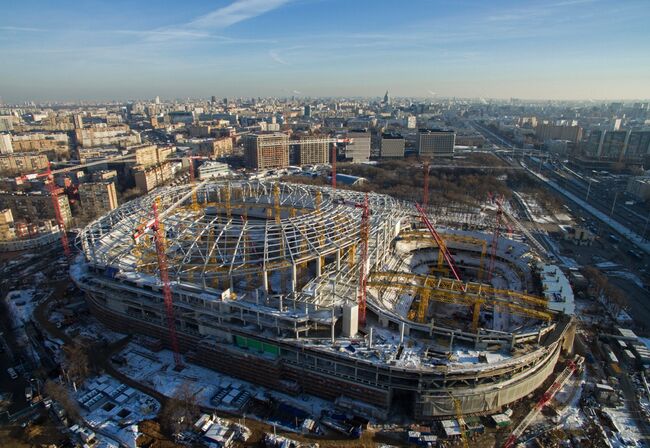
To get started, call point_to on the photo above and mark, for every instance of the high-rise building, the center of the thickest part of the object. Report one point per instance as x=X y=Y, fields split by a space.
x=386 y=99
x=307 y=111
x=316 y=152
x=98 y=197
x=411 y=122
x=435 y=143
x=628 y=146
x=157 y=100
x=358 y=150
x=392 y=145
x=267 y=150
x=55 y=143
x=5 y=144
x=102 y=135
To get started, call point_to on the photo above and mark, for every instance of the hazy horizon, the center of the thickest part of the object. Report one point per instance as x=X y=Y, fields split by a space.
x=98 y=51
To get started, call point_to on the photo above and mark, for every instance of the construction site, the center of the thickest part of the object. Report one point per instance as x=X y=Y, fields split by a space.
x=357 y=298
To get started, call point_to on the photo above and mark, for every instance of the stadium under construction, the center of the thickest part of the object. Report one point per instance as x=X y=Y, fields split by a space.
x=347 y=296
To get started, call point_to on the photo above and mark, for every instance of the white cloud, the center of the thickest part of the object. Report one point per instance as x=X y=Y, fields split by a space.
x=277 y=58
x=236 y=12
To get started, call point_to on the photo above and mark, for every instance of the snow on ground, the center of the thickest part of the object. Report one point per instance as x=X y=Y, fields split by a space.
x=629 y=433
x=21 y=304
x=156 y=369
x=627 y=276
x=119 y=410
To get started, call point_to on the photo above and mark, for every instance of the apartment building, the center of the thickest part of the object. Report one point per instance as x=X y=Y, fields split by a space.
x=103 y=135
x=35 y=206
x=148 y=178
x=98 y=198
x=25 y=163
x=55 y=143
x=267 y=150
x=313 y=153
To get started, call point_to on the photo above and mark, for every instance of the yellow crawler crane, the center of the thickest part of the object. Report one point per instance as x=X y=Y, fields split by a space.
x=461 y=421
x=460 y=293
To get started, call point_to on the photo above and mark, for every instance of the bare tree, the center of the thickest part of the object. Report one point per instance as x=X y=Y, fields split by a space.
x=61 y=395
x=181 y=410
x=76 y=362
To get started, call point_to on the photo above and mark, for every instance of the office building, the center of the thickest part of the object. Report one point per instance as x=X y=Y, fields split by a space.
x=181 y=117
x=307 y=111
x=314 y=153
x=411 y=122
x=392 y=145
x=6 y=146
x=639 y=188
x=23 y=163
x=358 y=150
x=98 y=198
x=435 y=143
x=267 y=150
x=546 y=132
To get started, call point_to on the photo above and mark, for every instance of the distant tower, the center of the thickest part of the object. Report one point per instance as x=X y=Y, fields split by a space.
x=307 y=112
x=157 y=100
x=213 y=100
x=386 y=99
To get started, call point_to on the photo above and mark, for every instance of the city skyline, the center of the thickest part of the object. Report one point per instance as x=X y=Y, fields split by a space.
x=565 y=49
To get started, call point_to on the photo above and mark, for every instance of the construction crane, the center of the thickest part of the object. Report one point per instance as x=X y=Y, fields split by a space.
x=54 y=194
x=415 y=235
x=425 y=192
x=441 y=244
x=462 y=428
x=195 y=204
x=363 y=274
x=495 y=235
x=156 y=227
x=333 y=159
x=473 y=295
x=559 y=382
x=313 y=141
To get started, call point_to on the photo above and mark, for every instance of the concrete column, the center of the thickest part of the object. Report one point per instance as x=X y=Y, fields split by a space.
x=319 y=266
x=512 y=341
x=370 y=338
x=280 y=303
x=265 y=281
x=338 y=260
x=294 y=277
x=451 y=341
x=401 y=333
x=332 y=326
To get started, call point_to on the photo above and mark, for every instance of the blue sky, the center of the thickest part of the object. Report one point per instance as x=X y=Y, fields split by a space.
x=124 y=49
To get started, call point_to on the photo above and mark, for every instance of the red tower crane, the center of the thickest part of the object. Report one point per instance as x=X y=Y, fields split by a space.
x=425 y=192
x=441 y=243
x=54 y=194
x=159 y=241
x=333 y=157
x=363 y=270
